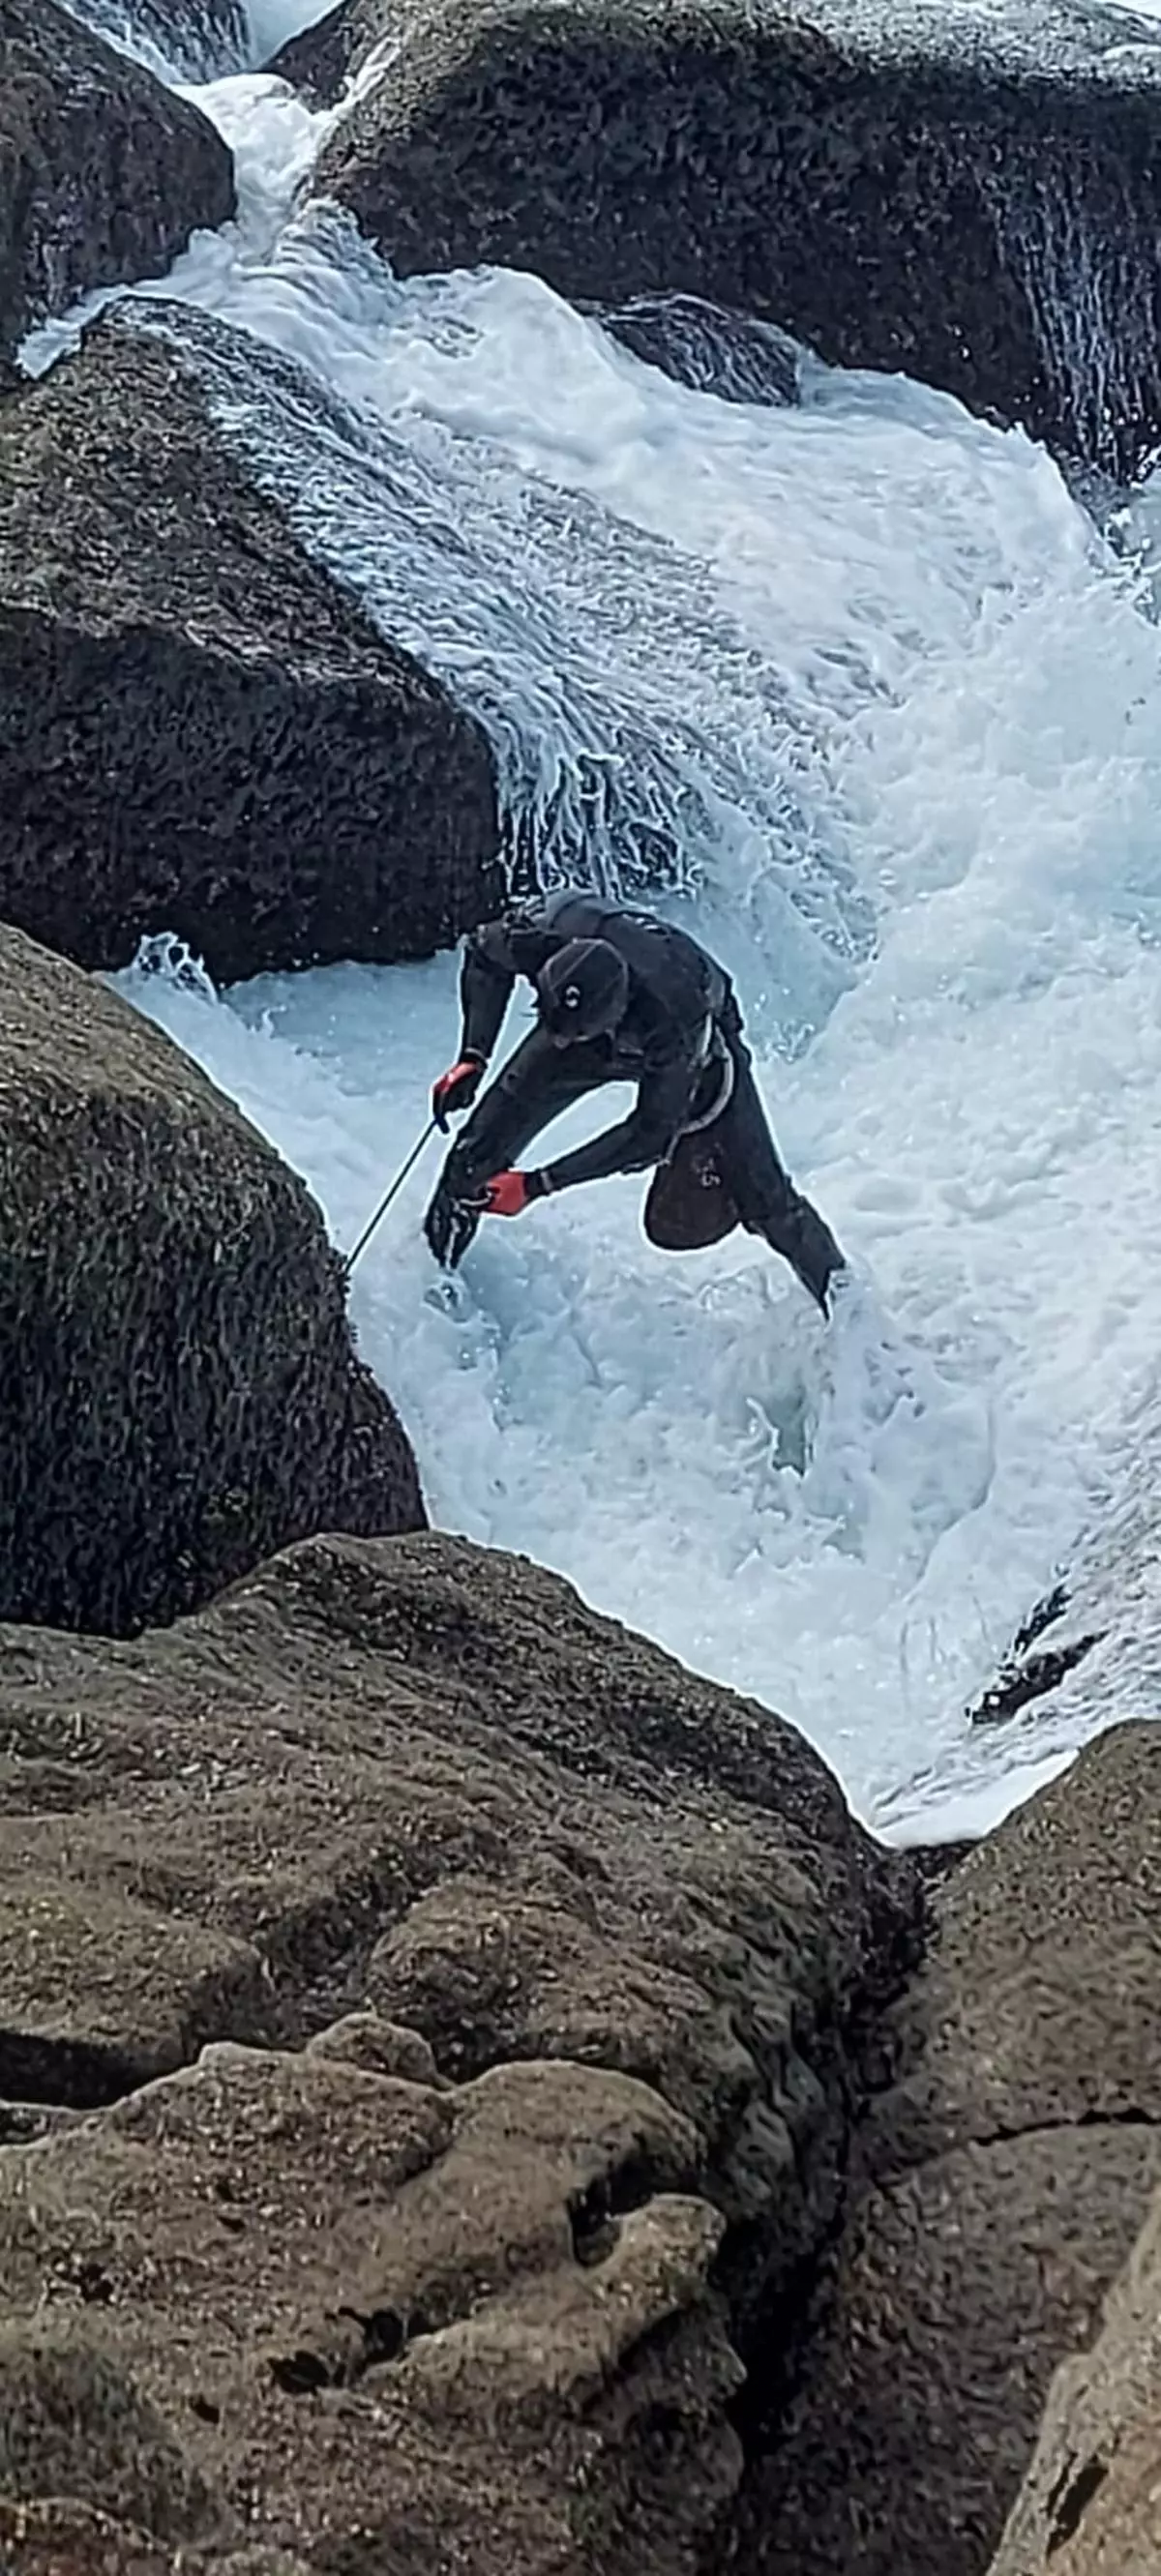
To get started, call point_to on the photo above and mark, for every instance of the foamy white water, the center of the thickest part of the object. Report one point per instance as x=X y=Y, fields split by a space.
x=863 y=684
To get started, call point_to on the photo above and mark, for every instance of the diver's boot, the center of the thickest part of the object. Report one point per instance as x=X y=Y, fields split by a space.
x=805 y=1240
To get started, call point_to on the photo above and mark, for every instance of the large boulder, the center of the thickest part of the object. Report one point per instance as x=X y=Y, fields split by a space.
x=998 y=2184
x=532 y=1978
x=104 y=174
x=200 y=731
x=181 y=1392
x=1091 y=2505
x=970 y=196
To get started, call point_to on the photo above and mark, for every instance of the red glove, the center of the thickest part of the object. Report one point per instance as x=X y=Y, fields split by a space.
x=510 y=1193
x=456 y=1089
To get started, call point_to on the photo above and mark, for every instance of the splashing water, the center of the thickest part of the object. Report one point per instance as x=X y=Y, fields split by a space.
x=860 y=688
x=179 y=40
x=172 y=45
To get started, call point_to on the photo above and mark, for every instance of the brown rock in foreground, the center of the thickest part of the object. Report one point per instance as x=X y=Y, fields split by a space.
x=200 y=731
x=903 y=188
x=583 y=1952
x=104 y=174
x=50 y=2537
x=181 y=1392
x=1000 y=2183
x=275 y=1813
x=1091 y=2504
x=279 y=2299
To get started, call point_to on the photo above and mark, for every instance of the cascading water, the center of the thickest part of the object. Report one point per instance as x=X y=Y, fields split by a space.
x=195 y=49
x=1092 y=291
x=860 y=686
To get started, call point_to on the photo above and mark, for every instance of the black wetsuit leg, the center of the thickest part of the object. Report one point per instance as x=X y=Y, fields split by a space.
x=763 y=1192
x=538 y=1082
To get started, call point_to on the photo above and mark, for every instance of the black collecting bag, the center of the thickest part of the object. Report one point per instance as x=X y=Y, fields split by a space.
x=689 y=1203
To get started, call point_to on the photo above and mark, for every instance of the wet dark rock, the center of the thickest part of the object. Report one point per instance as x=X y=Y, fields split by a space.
x=321 y=60
x=104 y=173
x=970 y=198
x=180 y=1388
x=998 y=2183
x=200 y=731
x=1029 y=1677
x=1034 y=1668
x=936 y=1861
x=714 y=352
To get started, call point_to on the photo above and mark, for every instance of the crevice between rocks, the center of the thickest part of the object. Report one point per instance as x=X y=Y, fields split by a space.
x=906 y=2161
x=40 y=2075
x=1132 y=2117
x=855 y=2068
x=779 y=2368
x=1070 y=2499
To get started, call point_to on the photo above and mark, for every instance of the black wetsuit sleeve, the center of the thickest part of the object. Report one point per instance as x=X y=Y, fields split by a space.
x=647 y=1135
x=494 y=956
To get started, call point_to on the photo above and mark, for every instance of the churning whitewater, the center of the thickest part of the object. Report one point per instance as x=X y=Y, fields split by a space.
x=860 y=690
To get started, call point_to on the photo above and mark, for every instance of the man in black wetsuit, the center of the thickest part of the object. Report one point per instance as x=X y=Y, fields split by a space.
x=621 y=997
